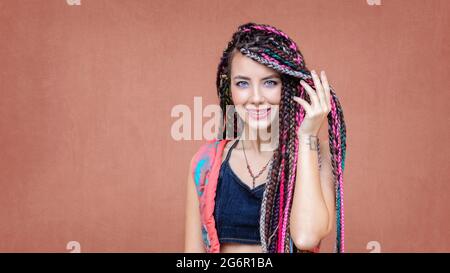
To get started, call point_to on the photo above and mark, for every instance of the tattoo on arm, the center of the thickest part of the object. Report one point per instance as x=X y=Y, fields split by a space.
x=313 y=143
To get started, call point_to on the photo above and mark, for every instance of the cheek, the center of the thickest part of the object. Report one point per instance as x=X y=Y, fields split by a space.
x=238 y=97
x=274 y=96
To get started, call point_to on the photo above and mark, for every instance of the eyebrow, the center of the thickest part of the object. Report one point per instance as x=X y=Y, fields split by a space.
x=265 y=78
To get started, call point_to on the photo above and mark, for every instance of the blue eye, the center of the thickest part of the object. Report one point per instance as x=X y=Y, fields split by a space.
x=274 y=83
x=238 y=83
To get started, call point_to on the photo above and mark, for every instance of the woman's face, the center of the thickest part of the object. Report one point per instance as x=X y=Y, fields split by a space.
x=256 y=91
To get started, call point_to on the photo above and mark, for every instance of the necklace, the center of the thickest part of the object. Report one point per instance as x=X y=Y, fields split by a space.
x=250 y=170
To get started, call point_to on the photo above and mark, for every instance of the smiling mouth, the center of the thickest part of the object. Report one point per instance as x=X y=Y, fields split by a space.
x=258 y=114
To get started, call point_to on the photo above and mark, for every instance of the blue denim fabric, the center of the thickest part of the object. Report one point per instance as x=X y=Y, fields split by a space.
x=237 y=207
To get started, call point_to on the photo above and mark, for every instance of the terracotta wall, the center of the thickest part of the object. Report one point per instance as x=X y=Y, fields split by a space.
x=86 y=94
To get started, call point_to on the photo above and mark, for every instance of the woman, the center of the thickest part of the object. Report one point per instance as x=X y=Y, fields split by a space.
x=247 y=194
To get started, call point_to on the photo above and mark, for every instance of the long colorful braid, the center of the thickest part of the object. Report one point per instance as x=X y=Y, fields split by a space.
x=273 y=48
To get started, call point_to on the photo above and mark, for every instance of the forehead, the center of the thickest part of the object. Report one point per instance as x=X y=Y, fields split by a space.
x=245 y=66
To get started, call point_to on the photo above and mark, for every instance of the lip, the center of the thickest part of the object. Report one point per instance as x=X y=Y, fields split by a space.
x=258 y=114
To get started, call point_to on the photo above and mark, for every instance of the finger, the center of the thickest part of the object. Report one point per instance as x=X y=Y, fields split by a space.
x=329 y=100
x=311 y=92
x=326 y=87
x=319 y=89
x=303 y=103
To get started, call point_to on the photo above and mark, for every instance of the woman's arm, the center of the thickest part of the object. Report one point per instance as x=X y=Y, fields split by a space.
x=193 y=236
x=313 y=207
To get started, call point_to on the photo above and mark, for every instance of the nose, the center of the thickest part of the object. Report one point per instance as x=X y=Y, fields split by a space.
x=256 y=97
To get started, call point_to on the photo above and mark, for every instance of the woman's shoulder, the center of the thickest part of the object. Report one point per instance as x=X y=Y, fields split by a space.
x=206 y=149
x=203 y=160
x=205 y=154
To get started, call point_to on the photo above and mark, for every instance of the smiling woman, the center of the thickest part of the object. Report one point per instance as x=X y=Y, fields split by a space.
x=281 y=191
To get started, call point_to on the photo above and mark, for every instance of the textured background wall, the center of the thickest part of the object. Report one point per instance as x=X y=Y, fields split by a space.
x=86 y=93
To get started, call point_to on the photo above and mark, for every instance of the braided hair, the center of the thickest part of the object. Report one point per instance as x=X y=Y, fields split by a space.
x=271 y=47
